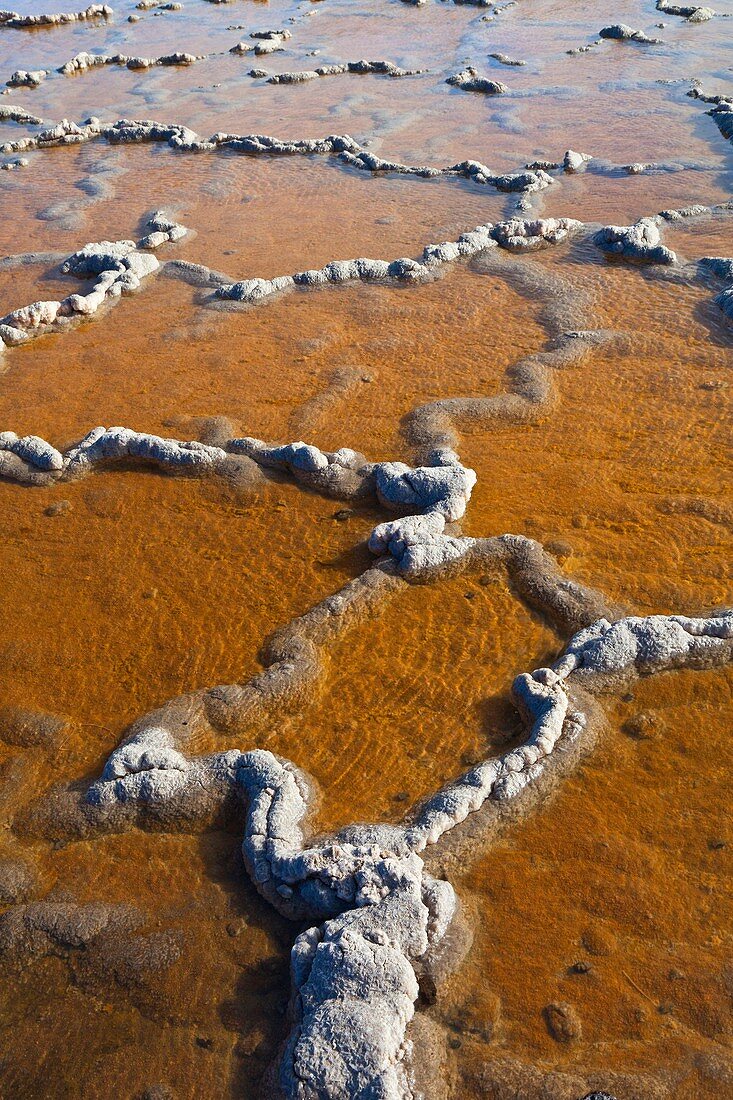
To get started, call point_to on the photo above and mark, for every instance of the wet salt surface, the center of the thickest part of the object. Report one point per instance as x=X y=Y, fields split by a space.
x=128 y=588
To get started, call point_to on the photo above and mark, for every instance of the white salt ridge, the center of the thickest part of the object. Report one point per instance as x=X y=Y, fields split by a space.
x=118 y=268
x=515 y=236
x=54 y=19
x=638 y=243
x=354 y=983
x=441 y=492
x=182 y=138
x=380 y=914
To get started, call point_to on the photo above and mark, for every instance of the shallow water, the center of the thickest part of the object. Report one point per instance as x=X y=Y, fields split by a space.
x=130 y=587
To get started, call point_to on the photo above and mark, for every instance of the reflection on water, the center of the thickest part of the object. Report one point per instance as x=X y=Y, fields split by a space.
x=128 y=588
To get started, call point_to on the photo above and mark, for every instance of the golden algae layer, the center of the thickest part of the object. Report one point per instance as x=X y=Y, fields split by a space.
x=142 y=962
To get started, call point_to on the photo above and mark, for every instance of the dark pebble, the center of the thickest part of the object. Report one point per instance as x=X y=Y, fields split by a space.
x=58 y=508
x=640 y=727
x=562 y=1022
x=559 y=548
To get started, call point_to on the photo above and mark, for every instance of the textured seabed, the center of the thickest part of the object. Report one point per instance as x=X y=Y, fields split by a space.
x=593 y=947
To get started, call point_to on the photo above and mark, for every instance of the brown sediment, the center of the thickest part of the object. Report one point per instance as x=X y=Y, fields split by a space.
x=129 y=588
x=640 y=950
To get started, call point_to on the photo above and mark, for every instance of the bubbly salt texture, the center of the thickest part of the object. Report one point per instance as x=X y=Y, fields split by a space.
x=128 y=588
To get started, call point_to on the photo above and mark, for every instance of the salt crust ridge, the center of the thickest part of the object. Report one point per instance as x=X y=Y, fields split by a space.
x=118 y=267
x=515 y=235
x=15 y=21
x=342 y=146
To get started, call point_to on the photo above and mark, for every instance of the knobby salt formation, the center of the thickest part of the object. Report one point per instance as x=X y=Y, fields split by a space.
x=380 y=917
x=118 y=267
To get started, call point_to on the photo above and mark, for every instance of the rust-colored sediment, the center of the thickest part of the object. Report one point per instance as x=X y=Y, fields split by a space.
x=128 y=588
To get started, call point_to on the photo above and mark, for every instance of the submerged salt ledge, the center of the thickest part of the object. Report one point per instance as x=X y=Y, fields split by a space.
x=530 y=391
x=530 y=394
